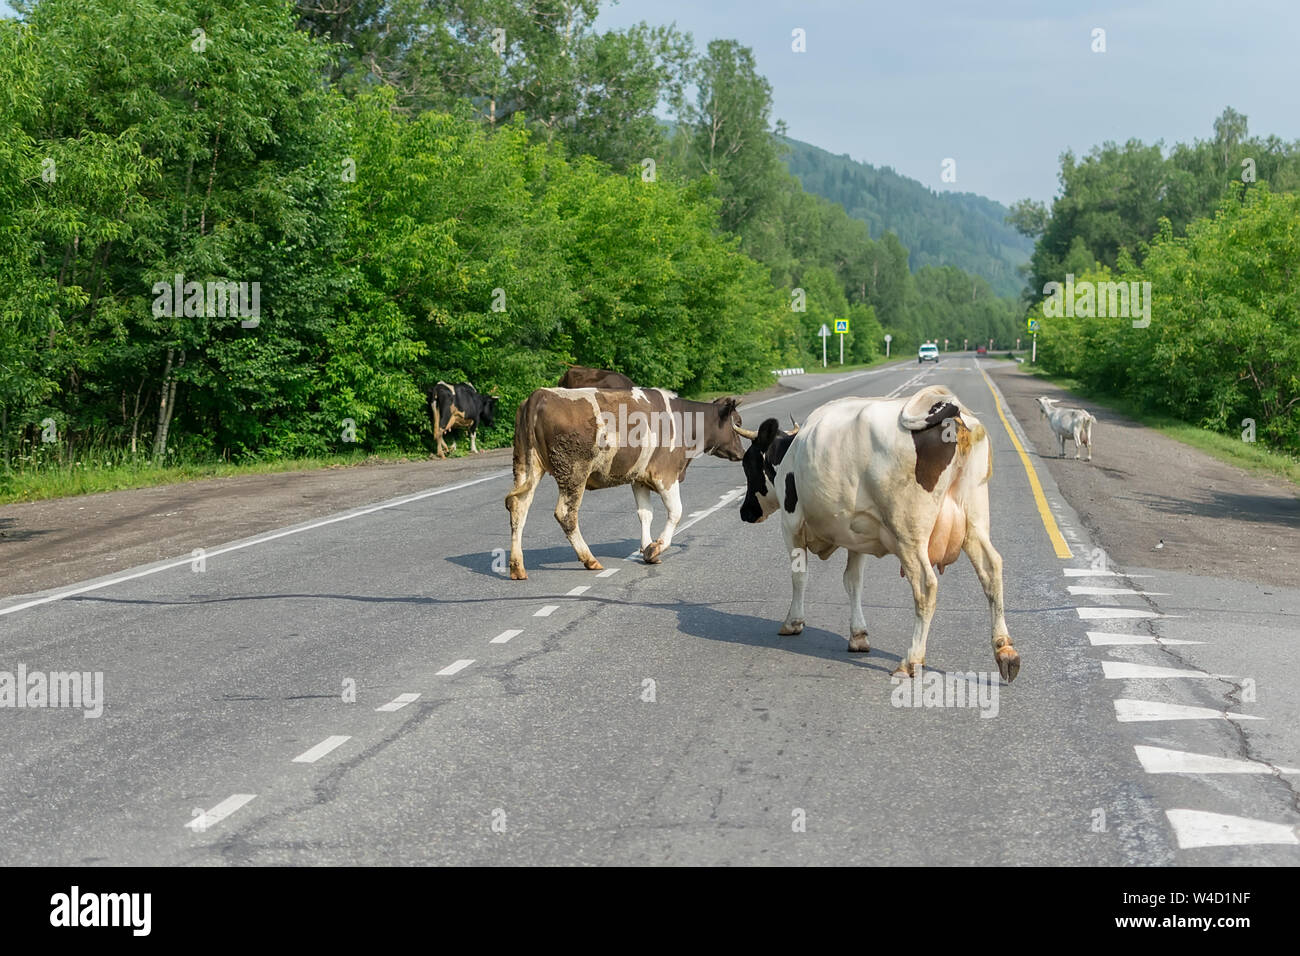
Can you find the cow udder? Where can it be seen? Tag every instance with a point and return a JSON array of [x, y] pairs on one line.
[[948, 535]]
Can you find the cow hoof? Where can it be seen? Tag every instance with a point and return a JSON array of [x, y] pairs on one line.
[[1008, 662], [593, 565], [858, 643], [652, 551], [790, 628], [904, 669], [518, 574]]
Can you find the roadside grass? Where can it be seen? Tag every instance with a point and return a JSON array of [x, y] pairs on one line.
[[90, 474], [1252, 457]]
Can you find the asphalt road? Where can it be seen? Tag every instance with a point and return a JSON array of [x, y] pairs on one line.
[[654, 717]]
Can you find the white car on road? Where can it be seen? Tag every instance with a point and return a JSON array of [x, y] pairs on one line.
[[927, 353]]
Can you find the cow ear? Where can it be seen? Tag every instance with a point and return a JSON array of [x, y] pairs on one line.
[[726, 408]]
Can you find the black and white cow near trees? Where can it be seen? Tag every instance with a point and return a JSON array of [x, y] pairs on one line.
[[460, 405], [901, 476]]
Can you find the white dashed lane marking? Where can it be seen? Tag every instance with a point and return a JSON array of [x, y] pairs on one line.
[[218, 813], [546, 610], [505, 636], [455, 668], [321, 749], [608, 573], [1131, 711], [397, 703], [1123, 670], [579, 590], [1197, 828], [1115, 613], [1107, 639], [1090, 573], [1107, 592], [1160, 760]]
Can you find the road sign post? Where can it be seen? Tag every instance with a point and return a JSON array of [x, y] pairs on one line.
[[841, 329], [1033, 335], [825, 334], [888, 339]]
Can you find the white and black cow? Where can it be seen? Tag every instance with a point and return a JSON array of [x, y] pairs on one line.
[[599, 438], [901, 476], [463, 405]]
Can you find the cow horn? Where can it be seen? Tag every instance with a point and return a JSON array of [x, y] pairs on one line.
[[745, 432]]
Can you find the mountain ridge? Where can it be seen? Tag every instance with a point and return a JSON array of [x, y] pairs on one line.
[[961, 229]]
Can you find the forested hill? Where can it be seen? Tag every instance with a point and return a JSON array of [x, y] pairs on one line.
[[957, 229]]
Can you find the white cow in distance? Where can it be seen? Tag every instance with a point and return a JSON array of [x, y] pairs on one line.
[[1073, 423]]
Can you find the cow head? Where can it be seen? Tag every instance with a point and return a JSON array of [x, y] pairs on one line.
[[488, 416], [722, 435], [767, 448]]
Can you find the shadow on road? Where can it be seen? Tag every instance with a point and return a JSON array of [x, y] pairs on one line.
[[709, 623]]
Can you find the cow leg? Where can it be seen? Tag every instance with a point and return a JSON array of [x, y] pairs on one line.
[[473, 433], [988, 568], [672, 498], [518, 500], [793, 623], [925, 593], [853, 585], [566, 513], [1078, 445], [644, 513]]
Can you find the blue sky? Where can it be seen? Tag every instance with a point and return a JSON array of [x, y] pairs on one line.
[[1004, 86]]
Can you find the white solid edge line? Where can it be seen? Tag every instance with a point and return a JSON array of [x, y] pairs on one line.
[[814, 388], [546, 610], [505, 636], [218, 813], [454, 668], [397, 703], [261, 539], [321, 749]]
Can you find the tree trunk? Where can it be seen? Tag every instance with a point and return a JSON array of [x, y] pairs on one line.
[[166, 406]]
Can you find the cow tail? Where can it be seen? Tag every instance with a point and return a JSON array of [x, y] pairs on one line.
[[523, 444], [917, 408]]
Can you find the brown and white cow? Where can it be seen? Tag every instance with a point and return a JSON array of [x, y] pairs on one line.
[[580, 376], [599, 438], [901, 476]]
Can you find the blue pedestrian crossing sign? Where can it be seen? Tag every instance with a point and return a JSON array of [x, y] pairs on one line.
[[1033, 325], [841, 326]]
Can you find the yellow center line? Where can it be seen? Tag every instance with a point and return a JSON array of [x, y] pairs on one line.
[[1040, 499]]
